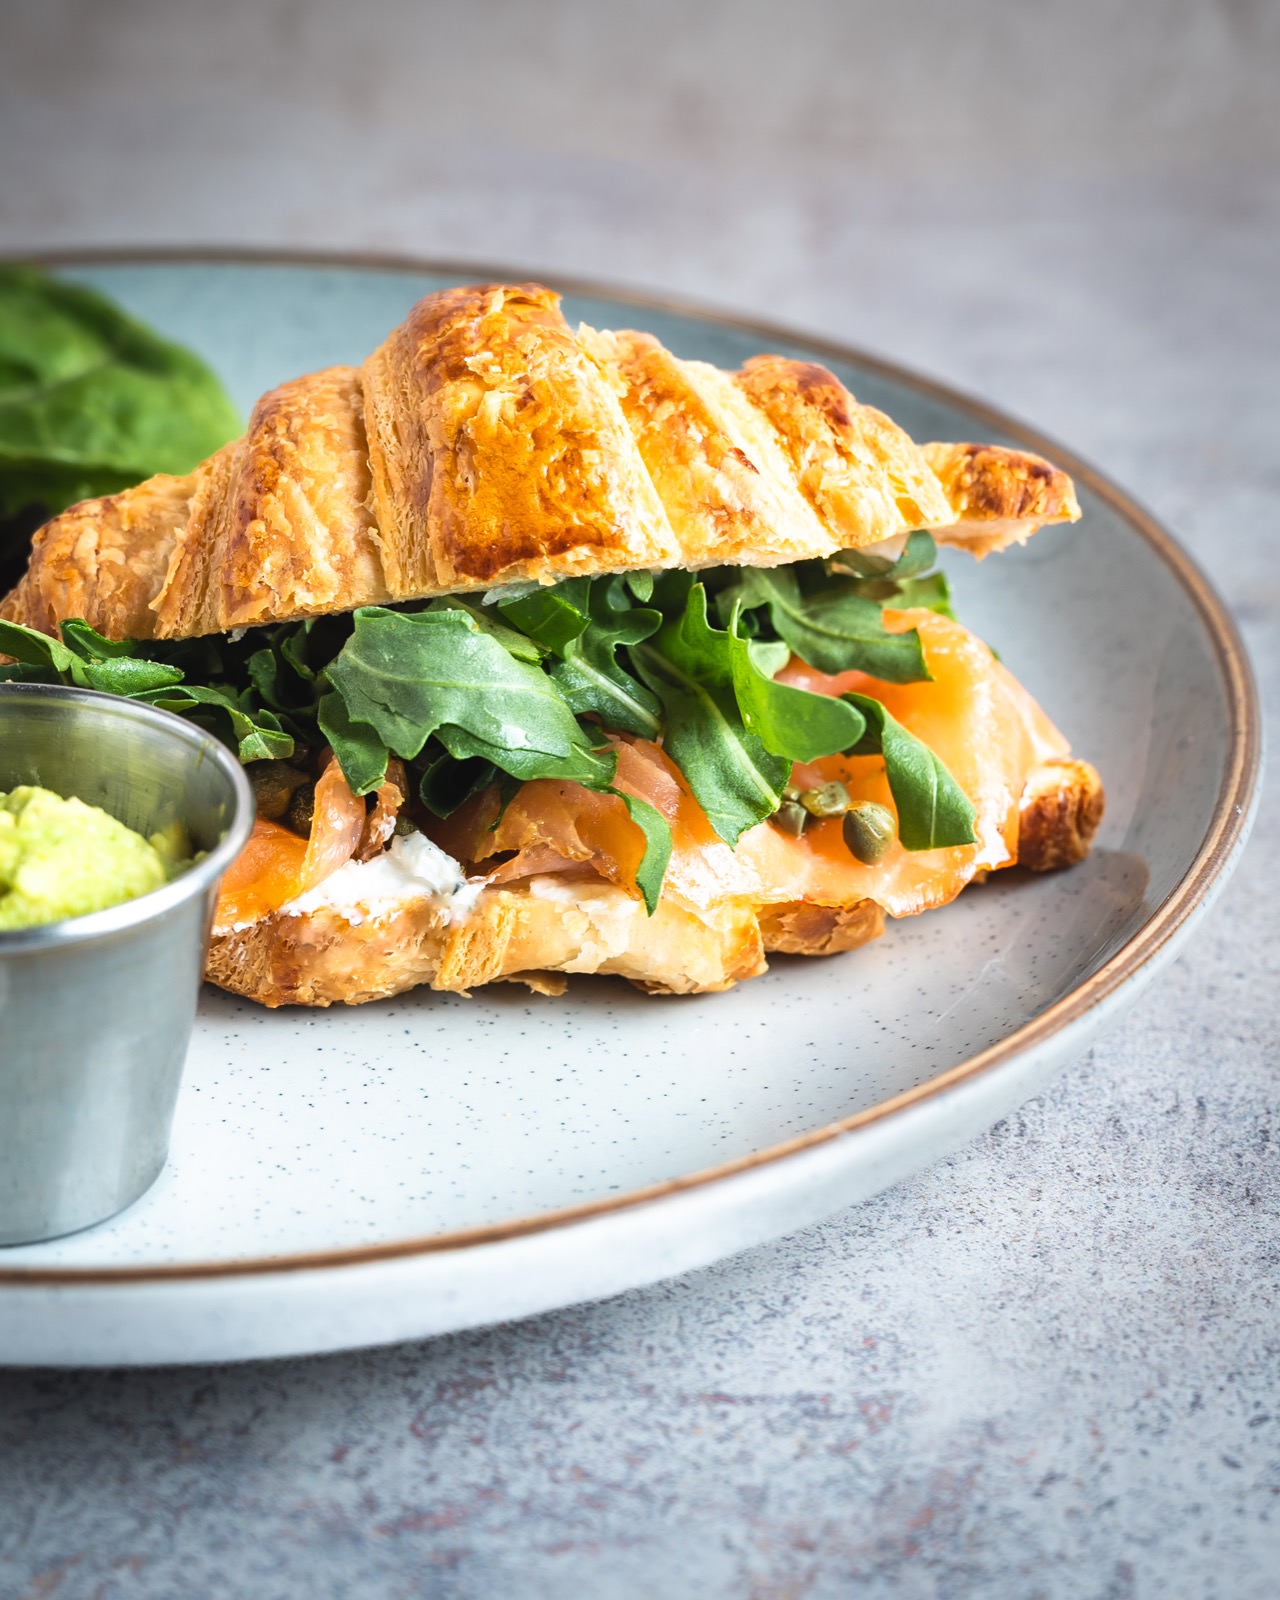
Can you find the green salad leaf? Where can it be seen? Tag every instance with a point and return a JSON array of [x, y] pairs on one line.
[[524, 686], [931, 591], [258, 735], [584, 623], [445, 783], [85, 660], [360, 749], [91, 400], [657, 846], [829, 623], [830, 612], [409, 675], [932, 808], [513, 641], [737, 779], [788, 722], [918, 554], [554, 617], [39, 657]]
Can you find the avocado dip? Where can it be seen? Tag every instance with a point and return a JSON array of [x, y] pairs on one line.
[[62, 858]]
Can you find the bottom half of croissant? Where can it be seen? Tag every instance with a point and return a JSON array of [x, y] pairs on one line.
[[538, 930]]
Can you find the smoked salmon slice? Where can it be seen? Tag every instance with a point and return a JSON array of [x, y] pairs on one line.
[[553, 825], [972, 713], [276, 866], [976, 717]]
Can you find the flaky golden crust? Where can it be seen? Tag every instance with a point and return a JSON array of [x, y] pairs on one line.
[[998, 496], [282, 526], [484, 442], [860, 471], [726, 487], [521, 933], [530, 931], [1061, 808], [800, 928], [106, 559], [500, 452], [276, 524]]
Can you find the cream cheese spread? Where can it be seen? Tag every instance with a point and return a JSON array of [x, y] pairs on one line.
[[413, 868]]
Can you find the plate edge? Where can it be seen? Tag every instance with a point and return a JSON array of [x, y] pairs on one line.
[[1228, 825]]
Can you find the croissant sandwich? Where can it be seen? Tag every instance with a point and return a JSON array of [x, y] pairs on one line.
[[550, 652]]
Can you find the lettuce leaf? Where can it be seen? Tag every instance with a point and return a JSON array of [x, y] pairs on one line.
[[830, 624], [524, 686], [736, 778], [92, 400], [933, 810], [85, 660]]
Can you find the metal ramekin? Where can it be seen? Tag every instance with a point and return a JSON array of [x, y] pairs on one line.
[[96, 1011]]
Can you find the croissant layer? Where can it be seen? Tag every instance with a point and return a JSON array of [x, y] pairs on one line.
[[538, 929], [486, 442]]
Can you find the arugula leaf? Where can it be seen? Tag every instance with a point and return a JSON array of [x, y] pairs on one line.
[[284, 666], [657, 846], [834, 628], [584, 623], [446, 782], [689, 666], [257, 735], [33, 649], [459, 717], [126, 676], [520, 646], [932, 592], [120, 673], [788, 722], [903, 583], [589, 674], [918, 554], [291, 646], [671, 589], [583, 764], [90, 645], [269, 675], [554, 617], [361, 754], [933, 810], [92, 400], [411, 676], [593, 683]]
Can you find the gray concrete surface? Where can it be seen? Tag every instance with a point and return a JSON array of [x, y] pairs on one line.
[[1047, 1367]]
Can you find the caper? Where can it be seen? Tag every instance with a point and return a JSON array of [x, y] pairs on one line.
[[790, 818], [274, 786], [869, 830], [302, 808], [831, 800]]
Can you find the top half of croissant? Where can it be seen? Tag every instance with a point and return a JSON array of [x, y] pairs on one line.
[[485, 442]]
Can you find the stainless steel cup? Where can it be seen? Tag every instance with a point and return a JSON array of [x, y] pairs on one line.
[[96, 1011]]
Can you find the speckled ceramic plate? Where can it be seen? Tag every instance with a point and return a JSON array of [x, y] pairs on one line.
[[428, 1163]]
